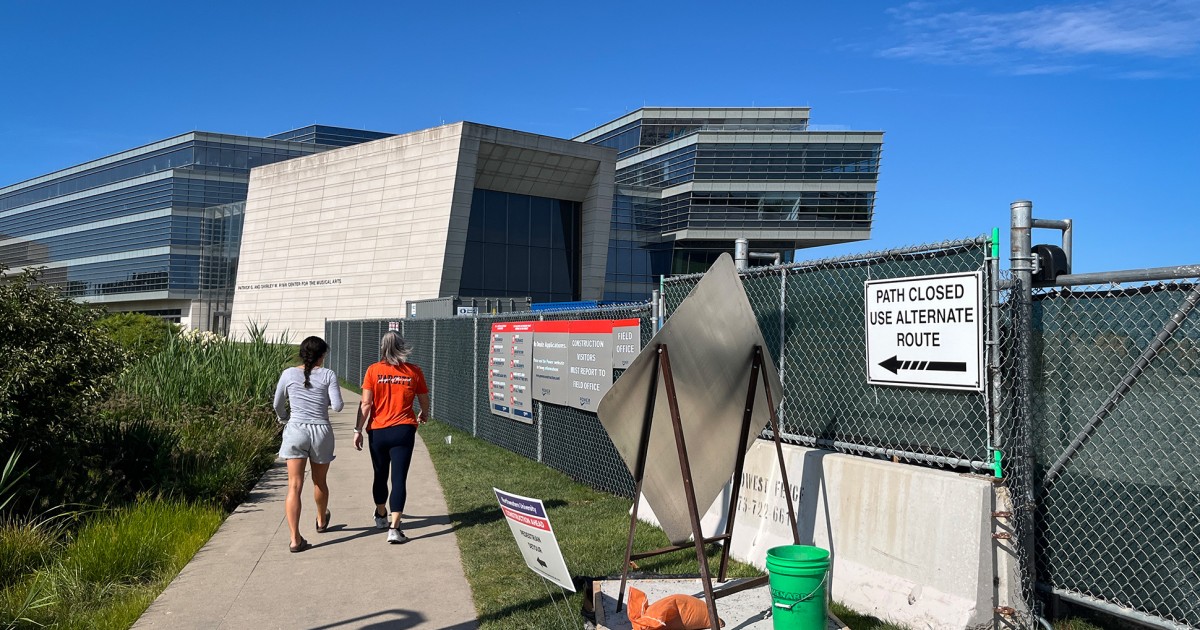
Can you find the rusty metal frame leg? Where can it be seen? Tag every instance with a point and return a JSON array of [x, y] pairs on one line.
[[743, 440], [782, 464], [638, 473], [689, 490]]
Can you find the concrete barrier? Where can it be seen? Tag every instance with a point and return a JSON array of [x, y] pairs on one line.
[[910, 545]]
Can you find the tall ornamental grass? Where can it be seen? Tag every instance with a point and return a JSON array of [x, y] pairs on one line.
[[207, 372]]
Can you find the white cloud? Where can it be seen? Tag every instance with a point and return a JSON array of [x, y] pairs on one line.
[[1048, 39]]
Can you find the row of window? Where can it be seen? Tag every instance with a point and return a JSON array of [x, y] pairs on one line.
[[507, 218], [520, 245], [156, 232], [176, 192], [153, 273], [195, 153]]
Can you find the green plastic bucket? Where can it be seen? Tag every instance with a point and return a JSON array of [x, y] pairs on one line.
[[798, 576]]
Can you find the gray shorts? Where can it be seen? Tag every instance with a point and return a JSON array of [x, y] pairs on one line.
[[314, 441]]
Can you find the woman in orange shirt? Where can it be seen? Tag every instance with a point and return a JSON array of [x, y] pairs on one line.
[[386, 412]]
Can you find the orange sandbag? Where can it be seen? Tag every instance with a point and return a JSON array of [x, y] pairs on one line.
[[673, 612]]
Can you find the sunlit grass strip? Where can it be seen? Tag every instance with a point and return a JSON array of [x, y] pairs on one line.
[[591, 528], [113, 568]]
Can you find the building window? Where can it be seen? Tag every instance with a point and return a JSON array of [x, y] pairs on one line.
[[521, 246]]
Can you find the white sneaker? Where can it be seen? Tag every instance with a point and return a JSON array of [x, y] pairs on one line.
[[381, 522], [396, 537]]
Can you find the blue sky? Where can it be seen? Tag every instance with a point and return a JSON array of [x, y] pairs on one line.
[[1087, 108]]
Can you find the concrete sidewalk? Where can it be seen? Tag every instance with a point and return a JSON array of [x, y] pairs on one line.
[[244, 577]]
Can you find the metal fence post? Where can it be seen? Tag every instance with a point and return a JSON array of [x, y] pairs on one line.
[[782, 344], [433, 369], [1021, 263], [475, 381]]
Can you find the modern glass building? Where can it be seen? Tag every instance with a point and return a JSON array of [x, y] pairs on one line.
[[690, 180], [129, 230], [159, 228]]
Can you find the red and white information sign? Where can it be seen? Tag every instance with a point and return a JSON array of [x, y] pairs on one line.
[[520, 371]]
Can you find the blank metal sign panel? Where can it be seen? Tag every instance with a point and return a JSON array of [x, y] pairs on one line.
[[711, 339]]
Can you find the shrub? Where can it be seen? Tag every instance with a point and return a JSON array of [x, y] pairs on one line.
[[139, 334], [54, 364]]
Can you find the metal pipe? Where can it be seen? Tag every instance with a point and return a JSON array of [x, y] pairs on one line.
[[941, 460], [1178, 272], [775, 256], [1113, 609], [1066, 226], [1139, 366], [654, 305], [741, 254]]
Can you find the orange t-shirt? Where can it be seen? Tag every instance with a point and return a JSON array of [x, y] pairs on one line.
[[393, 388]]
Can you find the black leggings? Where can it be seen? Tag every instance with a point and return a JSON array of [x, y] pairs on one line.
[[392, 446]]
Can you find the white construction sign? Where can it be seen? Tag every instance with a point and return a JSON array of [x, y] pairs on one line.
[[926, 331], [531, 528]]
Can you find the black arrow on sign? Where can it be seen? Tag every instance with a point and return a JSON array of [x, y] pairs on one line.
[[894, 364]]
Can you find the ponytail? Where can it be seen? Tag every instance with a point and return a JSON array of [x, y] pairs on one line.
[[312, 350]]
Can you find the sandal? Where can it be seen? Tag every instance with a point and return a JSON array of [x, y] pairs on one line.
[[322, 529], [304, 544]]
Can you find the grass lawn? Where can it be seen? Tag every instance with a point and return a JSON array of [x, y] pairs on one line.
[[591, 528]]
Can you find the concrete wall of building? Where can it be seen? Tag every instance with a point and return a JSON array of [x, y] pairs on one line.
[[354, 233], [909, 544], [349, 233]]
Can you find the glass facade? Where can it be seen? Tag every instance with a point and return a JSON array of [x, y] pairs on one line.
[[132, 226], [330, 136], [728, 170], [520, 245]]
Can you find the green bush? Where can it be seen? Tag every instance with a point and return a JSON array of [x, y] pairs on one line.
[[205, 455], [54, 365], [139, 334]]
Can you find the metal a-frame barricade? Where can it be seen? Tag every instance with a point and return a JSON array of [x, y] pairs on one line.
[[663, 366]]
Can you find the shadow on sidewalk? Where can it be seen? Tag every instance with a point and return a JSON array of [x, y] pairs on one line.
[[362, 532], [402, 620], [459, 520]]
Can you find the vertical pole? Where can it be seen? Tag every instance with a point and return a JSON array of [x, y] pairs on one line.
[[475, 381], [740, 464], [639, 472], [994, 366], [787, 485], [782, 337], [433, 370], [1021, 263], [741, 254], [689, 491]]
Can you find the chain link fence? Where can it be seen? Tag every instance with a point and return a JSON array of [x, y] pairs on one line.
[[1116, 373], [811, 316], [1091, 397], [452, 351]]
